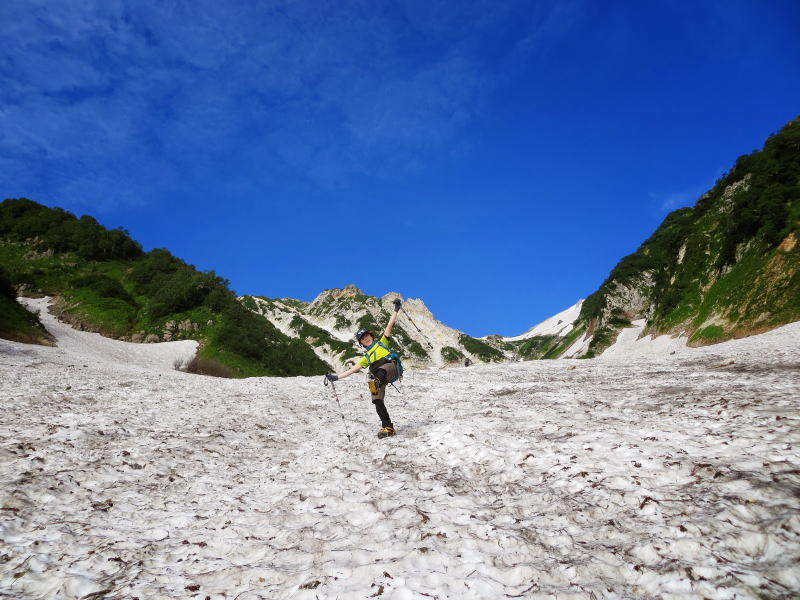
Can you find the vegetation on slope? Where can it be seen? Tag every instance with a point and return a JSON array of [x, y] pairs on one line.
[[316, 336], [480, 349], [108, 284], [16, 322], [536, 346], [451, 355]]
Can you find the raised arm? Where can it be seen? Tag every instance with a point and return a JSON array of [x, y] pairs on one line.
[[388, 331]]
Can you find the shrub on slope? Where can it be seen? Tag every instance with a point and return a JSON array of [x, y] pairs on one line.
[[16, 322]]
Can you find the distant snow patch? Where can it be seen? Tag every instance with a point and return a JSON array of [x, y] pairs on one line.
[[559, 324]]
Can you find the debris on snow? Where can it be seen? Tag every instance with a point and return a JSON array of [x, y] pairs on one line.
[[666, 476]]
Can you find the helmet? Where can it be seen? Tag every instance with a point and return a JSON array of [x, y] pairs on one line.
[[360, 334]]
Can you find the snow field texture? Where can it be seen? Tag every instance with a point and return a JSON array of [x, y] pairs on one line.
[[630, 477]]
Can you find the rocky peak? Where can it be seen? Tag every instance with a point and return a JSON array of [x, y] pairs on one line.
[[335, 293], [413, 305]]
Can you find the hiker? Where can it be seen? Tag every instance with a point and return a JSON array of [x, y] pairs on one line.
[[383, 368]]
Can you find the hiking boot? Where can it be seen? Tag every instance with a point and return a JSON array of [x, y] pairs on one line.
[[386, 432]]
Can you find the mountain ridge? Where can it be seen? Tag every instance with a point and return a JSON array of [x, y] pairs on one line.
[[727, 267], [329, 322]]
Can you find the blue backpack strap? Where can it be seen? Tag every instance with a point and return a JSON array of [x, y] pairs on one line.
[[369, 362], [392, 354]]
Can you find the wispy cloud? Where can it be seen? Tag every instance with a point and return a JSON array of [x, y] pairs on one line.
[[102, 101], [672, 200]]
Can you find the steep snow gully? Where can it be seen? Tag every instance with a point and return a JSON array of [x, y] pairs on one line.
[[630, 477]]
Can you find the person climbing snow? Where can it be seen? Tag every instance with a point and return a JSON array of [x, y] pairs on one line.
[[383, 367]]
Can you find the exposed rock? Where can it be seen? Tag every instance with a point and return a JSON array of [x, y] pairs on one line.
[[728, 196], [631, 298], [681, 253], [173, 329], [34, 255], [788, 244], [152, 339], [334, 294], [26, 290]]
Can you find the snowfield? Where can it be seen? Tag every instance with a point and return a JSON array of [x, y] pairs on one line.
[[674, 476]]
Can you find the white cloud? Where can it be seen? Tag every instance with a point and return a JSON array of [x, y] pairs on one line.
[[102, 93], [672, 200]]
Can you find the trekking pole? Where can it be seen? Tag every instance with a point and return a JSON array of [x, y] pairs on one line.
[[341, 412], [417, 328]]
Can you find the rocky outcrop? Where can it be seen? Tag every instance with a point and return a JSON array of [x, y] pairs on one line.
[[177, 330], [348, 291], [630, 300]]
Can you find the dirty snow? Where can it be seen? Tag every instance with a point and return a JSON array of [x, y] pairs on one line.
[[94, 349], [675, 476], [629, 343]]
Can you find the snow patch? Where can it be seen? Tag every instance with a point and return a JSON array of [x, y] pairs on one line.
[[629, 343], [75, 346]]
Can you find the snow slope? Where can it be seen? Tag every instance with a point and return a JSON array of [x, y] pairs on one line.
[[559, 324], [629, 344], [675, 476], [86, 347]]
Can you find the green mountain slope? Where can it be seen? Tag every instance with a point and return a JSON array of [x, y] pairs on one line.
[[727, 267], [104, 282]]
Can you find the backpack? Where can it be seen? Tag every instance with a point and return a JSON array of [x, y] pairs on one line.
[[394, 356]]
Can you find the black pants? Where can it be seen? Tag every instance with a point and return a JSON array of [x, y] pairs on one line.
[[382, 375], [380, 408]]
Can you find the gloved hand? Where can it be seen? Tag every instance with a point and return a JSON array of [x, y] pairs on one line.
[[332, 377], [397, 303]]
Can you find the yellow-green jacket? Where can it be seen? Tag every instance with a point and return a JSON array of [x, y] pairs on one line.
[[376, 351]]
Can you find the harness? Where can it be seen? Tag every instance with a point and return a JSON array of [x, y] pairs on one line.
[[391, 357]]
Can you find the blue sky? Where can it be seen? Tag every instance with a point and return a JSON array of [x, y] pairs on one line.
[[495, 159]]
